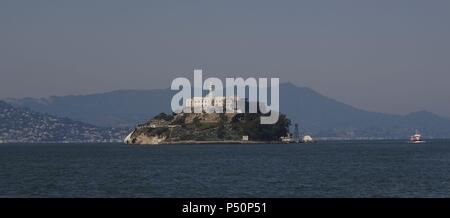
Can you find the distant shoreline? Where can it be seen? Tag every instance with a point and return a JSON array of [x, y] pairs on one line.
[[225, 142]]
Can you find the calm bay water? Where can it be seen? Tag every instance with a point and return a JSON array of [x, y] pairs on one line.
[[326, 169]]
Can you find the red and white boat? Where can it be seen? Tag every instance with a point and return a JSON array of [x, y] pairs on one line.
[[416, 138]]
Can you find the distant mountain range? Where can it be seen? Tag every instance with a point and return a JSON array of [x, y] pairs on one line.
[[326, 117], [315, 113], [25, 125], [123, 108]]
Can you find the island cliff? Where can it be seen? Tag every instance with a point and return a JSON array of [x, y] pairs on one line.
[[207, 128]]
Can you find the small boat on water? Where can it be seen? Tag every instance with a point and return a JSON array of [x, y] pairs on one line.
[[416, 138]]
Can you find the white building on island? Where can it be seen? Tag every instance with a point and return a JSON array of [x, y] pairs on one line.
[[229, 103]]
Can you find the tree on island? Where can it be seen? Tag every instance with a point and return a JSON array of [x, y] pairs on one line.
[[163, 116], [249, 124]]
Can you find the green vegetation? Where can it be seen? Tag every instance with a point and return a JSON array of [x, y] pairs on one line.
[[163, 116], [221, 131], [158, 131], [249, 124], [196, 122], [205, 126]]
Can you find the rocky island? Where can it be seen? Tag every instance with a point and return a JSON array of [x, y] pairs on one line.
[[192, 128]]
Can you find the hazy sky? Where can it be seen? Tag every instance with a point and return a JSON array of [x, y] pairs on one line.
[[388, 56]]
